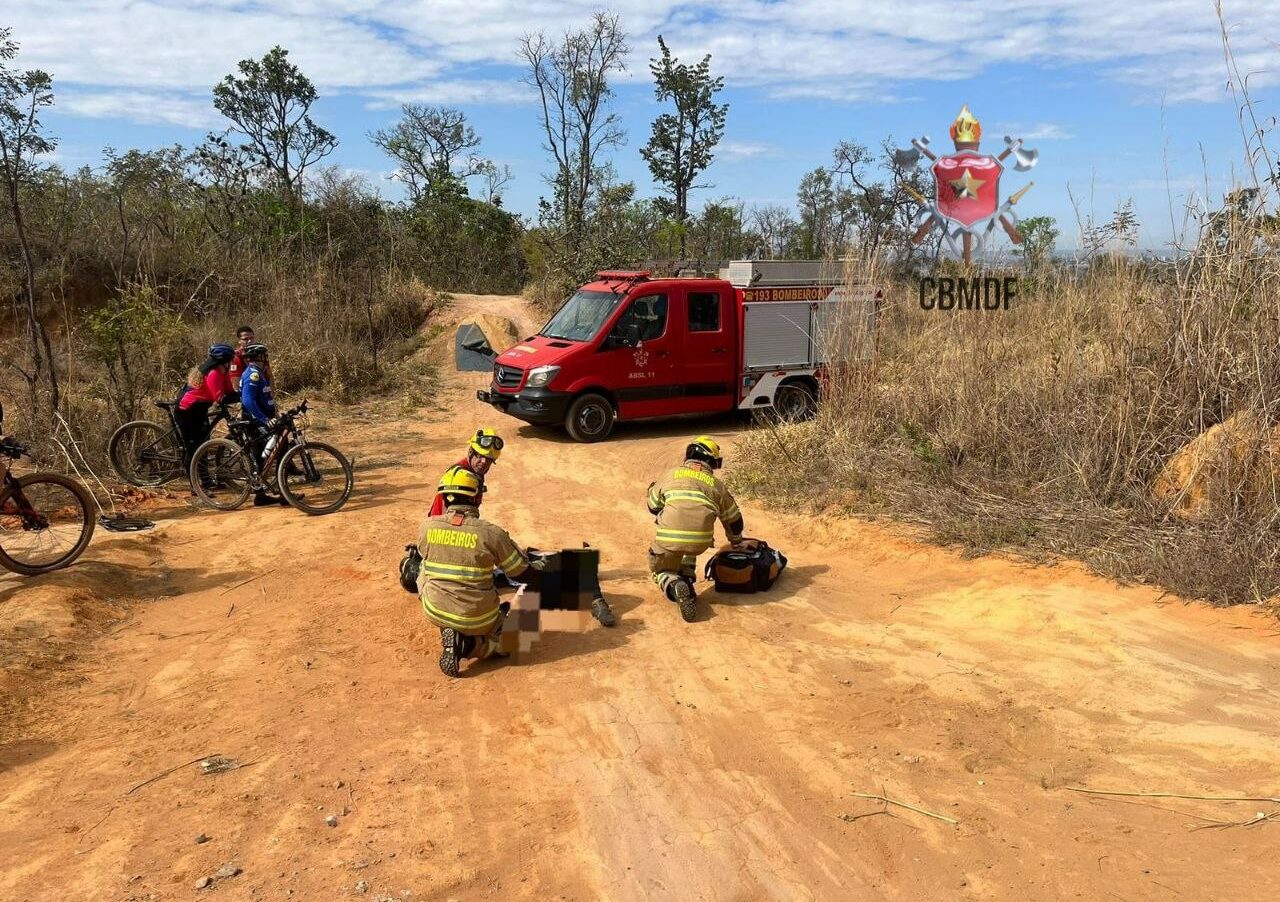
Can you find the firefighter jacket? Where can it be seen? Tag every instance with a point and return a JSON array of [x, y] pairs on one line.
[[459, 553], [687, 501]]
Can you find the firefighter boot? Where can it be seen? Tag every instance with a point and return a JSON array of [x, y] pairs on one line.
[[601, 611], [680, 591], [450, 651]]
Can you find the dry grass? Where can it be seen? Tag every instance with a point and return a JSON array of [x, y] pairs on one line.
[[1042, 428]]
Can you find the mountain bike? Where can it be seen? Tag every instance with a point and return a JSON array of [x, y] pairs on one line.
[[313, 477], [146, 454], [46, 519]]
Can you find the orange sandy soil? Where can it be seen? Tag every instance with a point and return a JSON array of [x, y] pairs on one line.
[[657, 760]]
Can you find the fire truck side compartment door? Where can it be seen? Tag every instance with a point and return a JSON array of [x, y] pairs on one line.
[[710, 364], [777, 334]]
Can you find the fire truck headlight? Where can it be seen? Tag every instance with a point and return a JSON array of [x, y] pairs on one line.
[[542, 375]]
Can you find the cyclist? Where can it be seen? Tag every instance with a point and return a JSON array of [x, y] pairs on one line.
[[208, 385], [244, 338], [482, 453], [259, 406]]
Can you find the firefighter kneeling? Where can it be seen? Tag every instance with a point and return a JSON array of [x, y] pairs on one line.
[[456, 578], [687, 500]]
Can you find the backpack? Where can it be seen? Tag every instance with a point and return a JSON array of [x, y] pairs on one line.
[[410, 564], [752, 567]]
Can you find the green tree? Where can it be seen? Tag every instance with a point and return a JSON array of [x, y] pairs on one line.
[[128, 337], [430, 143], [1038, 236], [269, 104], [681, 144], [23, 96], [825, 209]]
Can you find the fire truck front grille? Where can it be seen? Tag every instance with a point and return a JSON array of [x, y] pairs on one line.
[[506, 376]]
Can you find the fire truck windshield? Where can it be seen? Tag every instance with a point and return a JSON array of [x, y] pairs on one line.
[[582, 315]]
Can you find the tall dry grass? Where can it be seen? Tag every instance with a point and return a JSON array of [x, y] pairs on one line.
[[1042, 428]]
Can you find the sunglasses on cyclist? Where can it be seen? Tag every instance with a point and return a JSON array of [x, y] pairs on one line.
[[489, 441]]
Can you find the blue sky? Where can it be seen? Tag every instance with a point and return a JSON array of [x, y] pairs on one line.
[[1122, 101]]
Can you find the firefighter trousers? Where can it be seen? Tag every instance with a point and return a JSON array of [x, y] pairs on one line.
[[668, 566]]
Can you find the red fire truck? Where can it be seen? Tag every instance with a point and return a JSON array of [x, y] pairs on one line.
[[628, 347]]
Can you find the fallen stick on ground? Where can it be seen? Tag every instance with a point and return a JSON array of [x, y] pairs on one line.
[[243, 582], [167, 772], [1259, 818], [1173, 795], [887, 800]]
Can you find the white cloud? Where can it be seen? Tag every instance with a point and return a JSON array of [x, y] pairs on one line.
[[1042, 131], [140, 107], [839, 50], [511, 92], [745, 150]]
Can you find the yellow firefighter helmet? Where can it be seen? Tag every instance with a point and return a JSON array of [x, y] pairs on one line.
[[487, 443], [460, 483], [705, 448]]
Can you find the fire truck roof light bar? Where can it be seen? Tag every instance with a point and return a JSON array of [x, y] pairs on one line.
[[625, 275]]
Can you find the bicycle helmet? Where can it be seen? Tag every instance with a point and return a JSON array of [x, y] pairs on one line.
[[487, 443], [255, 352], [221, 353], [706, 449]]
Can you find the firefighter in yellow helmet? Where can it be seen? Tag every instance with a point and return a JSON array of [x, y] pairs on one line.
[[456, 578], [687, 501], [483, 452]]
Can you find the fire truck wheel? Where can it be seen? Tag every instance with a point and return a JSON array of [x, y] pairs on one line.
[[590, 418], [794, 402]]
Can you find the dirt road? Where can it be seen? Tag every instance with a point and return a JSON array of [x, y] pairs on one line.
[[657, 760]]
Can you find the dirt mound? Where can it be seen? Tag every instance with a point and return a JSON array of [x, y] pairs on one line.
[[1234, 461], [480, 338], [499, 331]]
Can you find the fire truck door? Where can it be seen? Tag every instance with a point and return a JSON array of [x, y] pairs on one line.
[[640, 357], [710, 362]]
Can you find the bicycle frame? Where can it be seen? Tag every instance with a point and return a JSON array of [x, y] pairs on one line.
[[289, 431], [175, 433], [31, 518]]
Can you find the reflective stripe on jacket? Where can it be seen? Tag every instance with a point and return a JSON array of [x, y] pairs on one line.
[[688, 500], [459, 554]]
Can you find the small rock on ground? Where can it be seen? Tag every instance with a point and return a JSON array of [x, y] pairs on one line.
[[227, 870], [201, 839], [362, 886], [331, 821], [204, 882]]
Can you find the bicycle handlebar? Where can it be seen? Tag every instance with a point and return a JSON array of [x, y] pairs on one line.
[[12, 449], [295, 411]]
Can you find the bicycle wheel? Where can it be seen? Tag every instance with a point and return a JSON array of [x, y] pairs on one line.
[[46, 522], [315, 478], [221, 474], [145, 454]]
